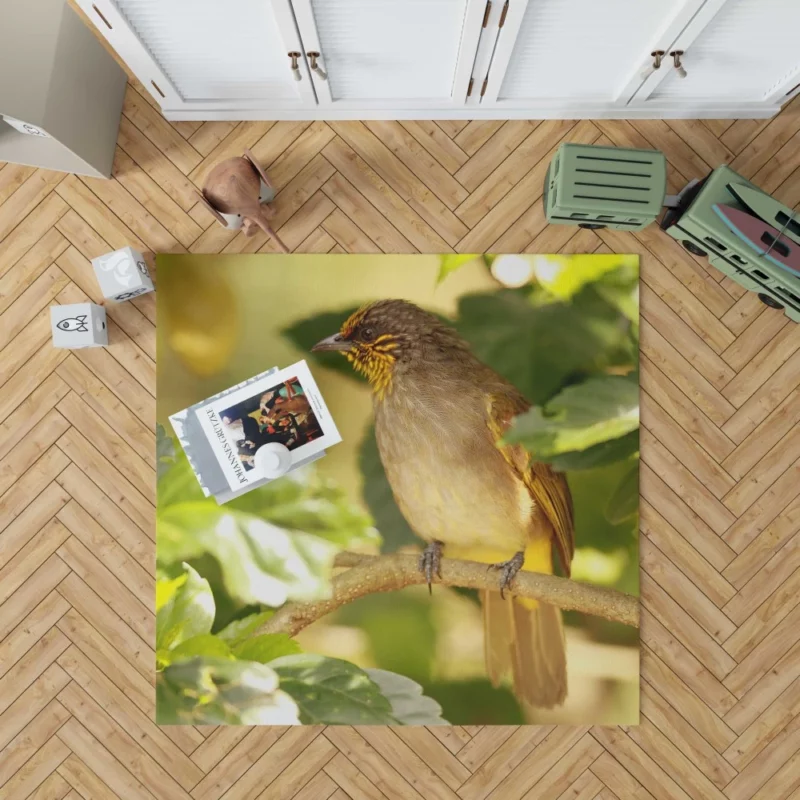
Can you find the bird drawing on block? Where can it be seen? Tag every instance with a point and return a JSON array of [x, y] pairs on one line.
[[440, 415]]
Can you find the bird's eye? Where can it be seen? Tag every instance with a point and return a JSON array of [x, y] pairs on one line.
[[367, 334]]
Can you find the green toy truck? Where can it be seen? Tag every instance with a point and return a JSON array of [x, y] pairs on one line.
[[696, 225]]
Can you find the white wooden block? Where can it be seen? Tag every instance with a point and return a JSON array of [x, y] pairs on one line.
[[122, 274], [79, 325]]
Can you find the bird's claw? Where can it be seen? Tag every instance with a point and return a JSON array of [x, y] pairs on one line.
[[430, 562], [508, 570]]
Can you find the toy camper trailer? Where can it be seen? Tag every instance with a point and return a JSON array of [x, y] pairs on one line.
[[605, 187]]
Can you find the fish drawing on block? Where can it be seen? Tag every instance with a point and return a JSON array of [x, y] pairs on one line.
[[77, 324], [763, 238]]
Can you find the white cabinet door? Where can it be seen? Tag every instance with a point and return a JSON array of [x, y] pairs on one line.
[[578, 56], [390, 54], [735, 51], [206, 54]]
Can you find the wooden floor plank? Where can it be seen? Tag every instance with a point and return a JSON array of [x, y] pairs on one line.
[[31, 266], [683, 555], [12, 176], [437, 143], [385, 200], [403, 181], [101, 763], [30, 230], [684, 701], [120, 743], [105, 475], [31, 738], [37, 768], [93, 608], [228, 755], [379, 231], [85, 783], [30, 630], [22, 556]]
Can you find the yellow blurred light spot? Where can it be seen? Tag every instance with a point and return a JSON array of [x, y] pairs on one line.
[[201, 318], [512, 271], [594, 566]]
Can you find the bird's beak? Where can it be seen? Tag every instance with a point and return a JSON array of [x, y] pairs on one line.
[[335, 342]]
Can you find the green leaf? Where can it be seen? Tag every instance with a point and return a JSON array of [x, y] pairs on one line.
[[266, 647], [624, 298], [451, 262], [215, 691], [539, 346], [389, 618], [179, 483], [624, 503], [260, 562], [166, 588], [583, 415], [476, 702], [564, 276], [305, 501], [590, 490], [409, 704], [307, 332], [600, 455], [302, 500], [205, 644], [165, 450], [240, 630], [377, 493], [330, 691], [188, 612]]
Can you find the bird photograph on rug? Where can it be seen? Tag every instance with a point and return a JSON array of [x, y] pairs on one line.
[[465, 554], [440, 415]]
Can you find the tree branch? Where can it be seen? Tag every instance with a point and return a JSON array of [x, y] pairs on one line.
[[372, 574]]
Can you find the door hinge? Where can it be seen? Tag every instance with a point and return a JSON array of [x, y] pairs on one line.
[[483, 88], [503, 15], [469, 88], [486, 13]]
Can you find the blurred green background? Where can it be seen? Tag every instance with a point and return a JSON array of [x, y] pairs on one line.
[[563, 329]]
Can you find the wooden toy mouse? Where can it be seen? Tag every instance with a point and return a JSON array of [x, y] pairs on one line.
[[236, 192]]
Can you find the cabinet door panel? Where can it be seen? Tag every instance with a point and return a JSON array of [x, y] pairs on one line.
[[579, 53], [749, 51], [583, 50], [206, 53], [391, 53]]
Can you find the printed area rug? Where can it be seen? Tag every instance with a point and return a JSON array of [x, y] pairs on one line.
[[398, 490]]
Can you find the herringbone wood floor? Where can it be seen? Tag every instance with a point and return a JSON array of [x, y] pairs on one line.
[[720, 490]]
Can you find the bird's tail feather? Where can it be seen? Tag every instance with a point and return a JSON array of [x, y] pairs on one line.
[[523, 638], [528, 643]]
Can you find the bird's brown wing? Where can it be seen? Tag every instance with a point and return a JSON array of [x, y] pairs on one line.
[[548, 488]]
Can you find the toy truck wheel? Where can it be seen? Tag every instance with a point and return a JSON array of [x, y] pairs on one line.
[[693, 248], [769, 301], [592, 226]]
